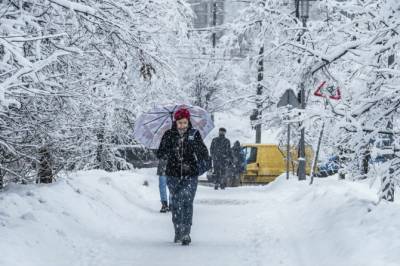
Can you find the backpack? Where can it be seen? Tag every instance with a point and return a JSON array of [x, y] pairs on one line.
[[203, 165]]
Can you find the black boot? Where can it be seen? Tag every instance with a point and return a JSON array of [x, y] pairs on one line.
[[186, 240], [164, 207], [186, 235], [178, 234]]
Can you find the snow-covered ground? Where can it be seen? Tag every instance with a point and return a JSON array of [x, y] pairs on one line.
[[103, 219]]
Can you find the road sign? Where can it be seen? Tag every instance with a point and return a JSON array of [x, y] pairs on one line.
[[289, 99], [328, 91]]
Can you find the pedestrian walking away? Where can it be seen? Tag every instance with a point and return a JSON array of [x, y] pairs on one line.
[[238, 161], [183, 148], [221, 158]]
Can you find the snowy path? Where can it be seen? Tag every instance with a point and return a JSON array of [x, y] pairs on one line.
[[221, 236], [216, 241], [104, 219]]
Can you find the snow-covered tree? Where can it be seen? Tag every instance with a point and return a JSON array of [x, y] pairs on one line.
[[352, 45], [74, 75]]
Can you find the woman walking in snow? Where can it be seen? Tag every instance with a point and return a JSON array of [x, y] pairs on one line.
[[182, 147]]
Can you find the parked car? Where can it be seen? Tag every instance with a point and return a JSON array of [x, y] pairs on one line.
[[329, 167]]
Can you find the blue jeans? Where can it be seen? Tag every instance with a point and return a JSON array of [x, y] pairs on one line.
[[162, 185], [183, 191]]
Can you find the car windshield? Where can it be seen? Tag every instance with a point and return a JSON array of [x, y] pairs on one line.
[[251, 154]]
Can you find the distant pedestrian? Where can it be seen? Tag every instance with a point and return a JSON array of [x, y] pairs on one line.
[[238, 162], [221, 158]]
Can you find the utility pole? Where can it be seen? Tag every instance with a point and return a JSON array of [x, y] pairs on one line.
[[302, 12], [214, 36], [214, 24], [260, 78]]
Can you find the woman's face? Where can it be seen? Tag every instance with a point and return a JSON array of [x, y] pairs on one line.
[[182, 124]]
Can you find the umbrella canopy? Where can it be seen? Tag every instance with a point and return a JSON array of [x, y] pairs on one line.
[[151, 126]]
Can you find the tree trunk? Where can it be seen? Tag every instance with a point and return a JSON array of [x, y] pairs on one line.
[[365, 163], [1, 179], [45, 172], [388, 186]]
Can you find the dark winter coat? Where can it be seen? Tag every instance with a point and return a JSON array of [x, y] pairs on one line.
[[238, 157], [181, 152], [162, 167], [221, 150]]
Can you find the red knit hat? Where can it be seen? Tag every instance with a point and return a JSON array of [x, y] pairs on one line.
[[182, 113]]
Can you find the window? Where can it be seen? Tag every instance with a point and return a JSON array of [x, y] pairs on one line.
[[251, 155]]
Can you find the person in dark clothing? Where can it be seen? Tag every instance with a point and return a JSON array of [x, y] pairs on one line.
[[238, 161], [182, 147], [221, 158], [162, 185]]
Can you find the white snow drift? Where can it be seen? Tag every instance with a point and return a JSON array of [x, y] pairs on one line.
[[99, 218]]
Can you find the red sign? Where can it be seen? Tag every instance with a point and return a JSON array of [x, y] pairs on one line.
[[330, 91]]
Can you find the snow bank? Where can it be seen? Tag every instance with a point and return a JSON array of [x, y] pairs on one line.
[[99, 218], [333, 222], [53, 224]]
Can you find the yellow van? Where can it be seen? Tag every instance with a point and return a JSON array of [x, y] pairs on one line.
[[265, 162]]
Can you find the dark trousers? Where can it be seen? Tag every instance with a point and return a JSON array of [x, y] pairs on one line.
[[183, 191], [220, 174]]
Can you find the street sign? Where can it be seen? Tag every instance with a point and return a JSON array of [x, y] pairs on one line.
[[328, 91], [288, 99]]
